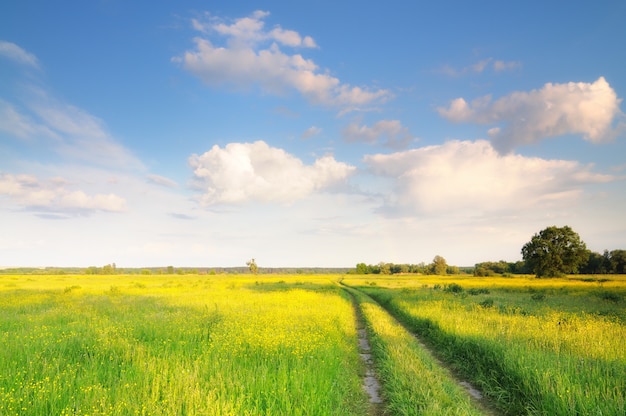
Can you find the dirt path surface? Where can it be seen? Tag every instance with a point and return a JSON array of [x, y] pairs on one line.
[[371, 383]]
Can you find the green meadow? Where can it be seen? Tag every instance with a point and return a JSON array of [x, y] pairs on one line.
[[289, 344], [537, 347]]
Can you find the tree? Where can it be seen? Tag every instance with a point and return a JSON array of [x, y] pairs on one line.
[[555, 251], [361, 268], [596, 263], [618, 261], [439, 266], [385, 268], [253, 267]]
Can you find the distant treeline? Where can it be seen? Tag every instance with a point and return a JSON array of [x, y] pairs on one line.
[[610, 262], [438, 266], [110, 269]]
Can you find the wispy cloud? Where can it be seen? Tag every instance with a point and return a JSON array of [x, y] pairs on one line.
[[49, 122], [243, 172], [17, 124], [161, 181], [588, 109], [15, 53], [252, 56], [481, 66], [310, 132], [180, 216], [389, 133]]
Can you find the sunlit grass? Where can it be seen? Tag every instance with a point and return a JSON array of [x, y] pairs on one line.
[[177, 345], [553, 346], [413, 382]]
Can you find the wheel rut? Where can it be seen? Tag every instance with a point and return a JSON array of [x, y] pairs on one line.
[[372, 384]]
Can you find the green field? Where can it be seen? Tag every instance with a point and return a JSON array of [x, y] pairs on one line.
[[288, 345], [545, 347]]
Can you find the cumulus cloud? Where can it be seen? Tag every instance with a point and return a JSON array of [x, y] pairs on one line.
[[472, 178], [15, 53], [588, 109], [252, 56], [242, 172], [390, 133], [53, 196]]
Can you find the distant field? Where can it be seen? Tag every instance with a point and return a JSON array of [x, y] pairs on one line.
[[285, 344]]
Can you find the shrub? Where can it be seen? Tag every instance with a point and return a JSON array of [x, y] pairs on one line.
[[453, 288], [478, 291], [538, 296]]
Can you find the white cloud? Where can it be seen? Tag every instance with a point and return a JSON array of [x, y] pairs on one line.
[[472, 178], [15, 53], [390, 133], [53, 196], [310, 132], [242, 172], [248, 60], [556, 109], [251, 31]]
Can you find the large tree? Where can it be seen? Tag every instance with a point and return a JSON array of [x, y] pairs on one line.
[[555, 251], [439, 266]]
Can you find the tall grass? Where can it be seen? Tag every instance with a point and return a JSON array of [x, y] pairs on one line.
[[533, 354], [177, 345], [413, 381]]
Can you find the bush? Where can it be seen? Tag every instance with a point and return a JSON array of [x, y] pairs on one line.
[[453, 288], [538, 296], [478, 291]]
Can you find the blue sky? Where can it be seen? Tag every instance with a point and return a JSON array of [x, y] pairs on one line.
[[205, 133]]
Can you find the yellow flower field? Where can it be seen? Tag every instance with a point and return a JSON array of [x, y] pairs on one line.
[[165, 345]]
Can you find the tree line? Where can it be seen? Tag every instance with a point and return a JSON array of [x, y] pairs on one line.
[[439, 266], [552, 252], [610, 262]]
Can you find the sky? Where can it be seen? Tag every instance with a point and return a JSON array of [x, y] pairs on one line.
[[307, 134]]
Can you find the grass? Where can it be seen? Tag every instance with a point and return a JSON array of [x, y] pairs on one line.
[[190, 345], [534, 346], [250, 345], [413, 381]]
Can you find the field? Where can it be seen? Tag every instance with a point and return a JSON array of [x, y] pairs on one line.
[[289, 345], [546, 347]]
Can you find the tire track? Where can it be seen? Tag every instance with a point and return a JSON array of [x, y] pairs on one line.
[[371, 382], [476, 394]]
